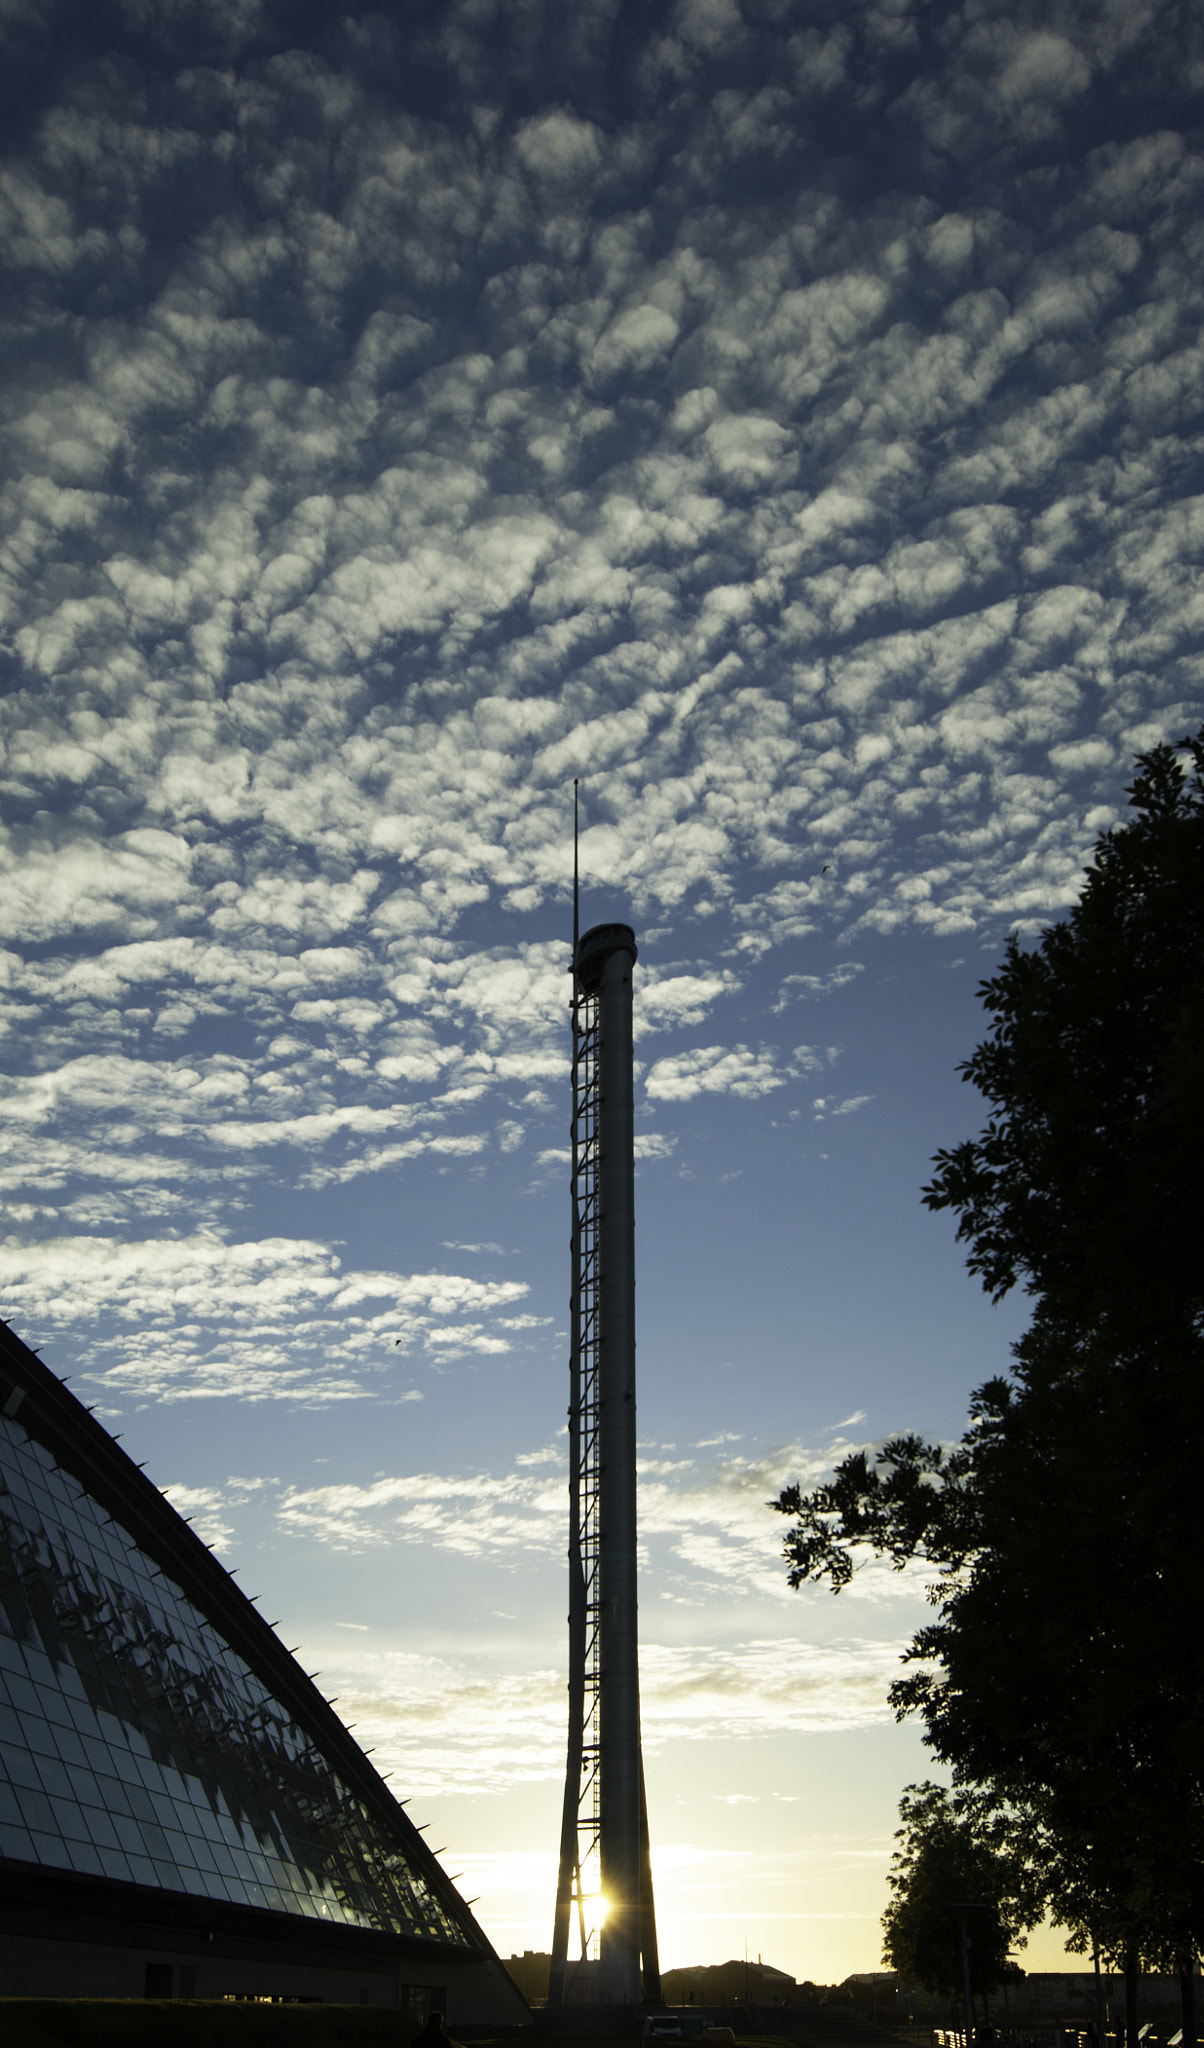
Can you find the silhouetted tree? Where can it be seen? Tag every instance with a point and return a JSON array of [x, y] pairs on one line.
[[1063, 1674], [1085, 1182], [953, 1855]]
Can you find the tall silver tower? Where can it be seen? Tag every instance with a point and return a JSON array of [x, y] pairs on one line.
[[605, 1877]]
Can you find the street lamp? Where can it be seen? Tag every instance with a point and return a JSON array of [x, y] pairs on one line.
[[963, 1913]]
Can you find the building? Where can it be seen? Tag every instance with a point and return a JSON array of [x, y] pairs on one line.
[[530, 1972], [181, 1811]]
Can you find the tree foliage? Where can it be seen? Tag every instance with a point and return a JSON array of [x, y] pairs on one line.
[[953, 1855], [1062, 1675], [1086, 1179]]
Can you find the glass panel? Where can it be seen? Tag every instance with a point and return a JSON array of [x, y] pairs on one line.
[[101, 1829], [84, 1858], [71, 1749], [36, 1811], [55, 1777], [19, 1764], [70, 1822], [203, 1784]]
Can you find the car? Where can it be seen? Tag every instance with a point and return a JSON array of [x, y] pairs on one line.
[[662, 2026]]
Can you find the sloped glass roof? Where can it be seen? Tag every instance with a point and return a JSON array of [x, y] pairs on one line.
[[135, 1744]]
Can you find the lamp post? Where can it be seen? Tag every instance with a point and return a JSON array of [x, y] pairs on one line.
[[963, 1913]]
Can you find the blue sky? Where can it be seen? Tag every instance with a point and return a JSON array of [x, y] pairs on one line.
[[787, 419]]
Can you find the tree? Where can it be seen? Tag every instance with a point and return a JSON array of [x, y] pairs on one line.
[[1062, 1676], [1059, 1677], [951, 1858], [1086, 1180]]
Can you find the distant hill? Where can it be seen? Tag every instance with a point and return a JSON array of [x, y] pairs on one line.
[[734, 1983], [708, 1984]]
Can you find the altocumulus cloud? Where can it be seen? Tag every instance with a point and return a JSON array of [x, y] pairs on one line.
[[278, 1318], [438, 1722], [411, 415], [703, 1523]]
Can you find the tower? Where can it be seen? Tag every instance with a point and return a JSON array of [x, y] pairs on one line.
[[605, 1872]]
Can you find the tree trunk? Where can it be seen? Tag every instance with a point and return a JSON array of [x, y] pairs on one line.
[[1132, 1972], [1187, 2001]]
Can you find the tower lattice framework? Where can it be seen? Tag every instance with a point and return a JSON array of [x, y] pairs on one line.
[[604, 1842], [579, 1887]]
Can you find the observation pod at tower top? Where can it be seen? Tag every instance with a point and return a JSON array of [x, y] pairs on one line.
[[595, 948]]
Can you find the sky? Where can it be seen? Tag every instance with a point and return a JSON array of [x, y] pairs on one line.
[[787, 419]]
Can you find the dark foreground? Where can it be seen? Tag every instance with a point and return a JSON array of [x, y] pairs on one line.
[[182, 2023], [199, 2023]]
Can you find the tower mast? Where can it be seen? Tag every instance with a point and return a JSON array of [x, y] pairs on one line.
[[605, 1867]]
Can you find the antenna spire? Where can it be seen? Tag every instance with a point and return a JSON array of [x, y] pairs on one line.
[[576, 885]]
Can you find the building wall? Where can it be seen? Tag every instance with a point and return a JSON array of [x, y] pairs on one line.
[[39, 1967], [182, 1813]]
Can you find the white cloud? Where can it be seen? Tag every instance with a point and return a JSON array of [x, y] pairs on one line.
[[634, 341], [811, 987], [434, 1721], [654, 1145], [714, 1070], [204, 1507], [843, 554], [703, 1524], [1044, 67], [559, 146], [662, 1002], [519, 1512], [276, 1318], [705, 1527], [84, 884], [755, 1690]]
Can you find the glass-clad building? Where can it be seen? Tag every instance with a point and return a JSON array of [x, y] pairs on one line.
[[181, 1812]]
